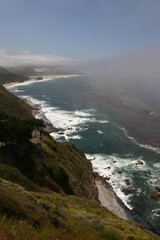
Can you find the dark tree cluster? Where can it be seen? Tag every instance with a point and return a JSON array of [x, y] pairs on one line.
[[15, 131]]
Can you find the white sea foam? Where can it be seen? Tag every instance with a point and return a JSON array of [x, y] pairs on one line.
[[156, 212], [55, 135], [74, 137], [156, 165], [154, 149], [103, 121], [71, 122], [106, 166], [149, 147], [100, 132], [84, 113], [18, 91]]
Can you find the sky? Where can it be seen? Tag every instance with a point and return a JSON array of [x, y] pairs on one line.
[[79, 29]]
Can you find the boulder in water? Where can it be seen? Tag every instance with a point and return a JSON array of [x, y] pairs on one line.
[[157, 188], [127, 181], [155, 195]]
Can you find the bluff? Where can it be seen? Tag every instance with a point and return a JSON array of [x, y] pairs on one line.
[[47, 188], [8, 76]]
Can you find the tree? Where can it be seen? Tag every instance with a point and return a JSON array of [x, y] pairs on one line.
[[15, 131]]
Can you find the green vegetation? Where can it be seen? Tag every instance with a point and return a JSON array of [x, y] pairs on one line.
[[17, 131], [11, 106], [15, 176], [57, 216], [47, 189], [60, 167]]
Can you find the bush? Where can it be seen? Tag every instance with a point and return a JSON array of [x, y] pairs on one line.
[[17, 131]]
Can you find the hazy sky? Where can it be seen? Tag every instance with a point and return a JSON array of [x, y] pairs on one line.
[[79, 28]]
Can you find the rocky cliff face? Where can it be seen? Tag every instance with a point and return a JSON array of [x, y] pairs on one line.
[[60, 167]]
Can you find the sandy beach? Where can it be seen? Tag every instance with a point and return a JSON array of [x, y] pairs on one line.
[[108, 199], [34, 79]]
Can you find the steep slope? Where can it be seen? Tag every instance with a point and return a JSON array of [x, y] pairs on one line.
[[47, 190], [53, 216], [60, 167], [11, 106], [7, 76]]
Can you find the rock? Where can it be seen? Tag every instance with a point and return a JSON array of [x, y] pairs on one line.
[[69, 128], [107, 178], [139, 162], [127, 181], [39, 78], [155, 195], [157, 211], [95, 174], [60, 133], [114, 161], [108, 168], [157, 188]]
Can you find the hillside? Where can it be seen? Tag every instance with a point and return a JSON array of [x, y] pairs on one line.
[[60, 167], [53, 216], [7, 76], [11, 106], [47, 188]]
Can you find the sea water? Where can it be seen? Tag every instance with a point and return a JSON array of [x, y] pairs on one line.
[[97, 124]]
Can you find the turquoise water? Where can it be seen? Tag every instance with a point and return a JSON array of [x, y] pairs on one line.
[[73, 107]]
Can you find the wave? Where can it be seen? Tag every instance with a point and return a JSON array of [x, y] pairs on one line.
[[100, 132], [108, 166], [84, 113], [154, 149], [71, 122], [146, 146], [157, 165]]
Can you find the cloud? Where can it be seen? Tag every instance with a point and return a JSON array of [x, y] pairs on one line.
[[24, 58]]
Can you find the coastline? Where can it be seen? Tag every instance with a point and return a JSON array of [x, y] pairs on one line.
[[106, 194], [107, 197], [34, 79]]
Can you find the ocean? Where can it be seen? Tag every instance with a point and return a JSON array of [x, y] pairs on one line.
[[117, 128]]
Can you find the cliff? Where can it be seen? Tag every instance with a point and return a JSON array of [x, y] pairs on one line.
[[11, 106], [47, 188], [8, 76]]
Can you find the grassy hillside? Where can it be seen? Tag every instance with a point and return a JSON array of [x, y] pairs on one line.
[[11, 106], [47, 190], [60, 167], [53, 196], [53, 216]]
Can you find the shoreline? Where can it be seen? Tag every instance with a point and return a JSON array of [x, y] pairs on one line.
[[34, 79], [107, 197], [106, 194]]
